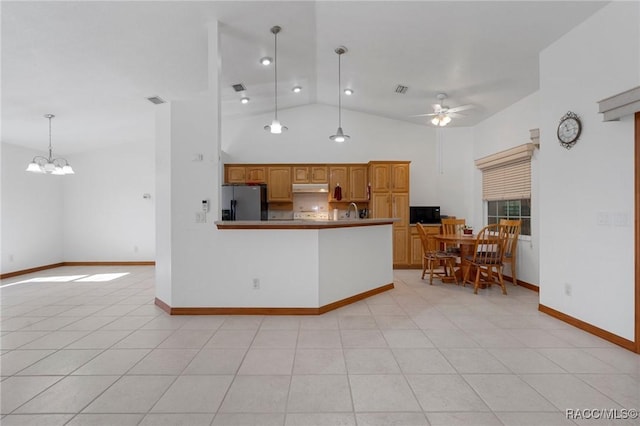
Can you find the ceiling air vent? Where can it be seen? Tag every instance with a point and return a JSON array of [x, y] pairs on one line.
[[401, 89], [239, 87], [157, 100]]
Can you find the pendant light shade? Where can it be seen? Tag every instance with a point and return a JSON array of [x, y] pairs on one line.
[[275, 127], [50, 165], [340, 136]]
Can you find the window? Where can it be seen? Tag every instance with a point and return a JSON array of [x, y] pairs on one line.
[[511, 209], [506, 185]]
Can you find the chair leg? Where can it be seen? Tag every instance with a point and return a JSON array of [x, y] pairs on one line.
[[431, 267], [424, 268], [499, 271], [452, 268], [465, 276], [476, 284]]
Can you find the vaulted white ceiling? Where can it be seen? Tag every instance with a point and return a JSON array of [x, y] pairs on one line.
[[92, 64]]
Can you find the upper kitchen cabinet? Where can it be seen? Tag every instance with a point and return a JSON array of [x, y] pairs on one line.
[[256, 174], [338, 176], [310, 174], [279, 184], [234, 174], [389, 176], [358, 183], [241, 173]]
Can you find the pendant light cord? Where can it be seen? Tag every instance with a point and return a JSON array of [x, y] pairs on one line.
[[50, 149], [275, 67], [339, 94]]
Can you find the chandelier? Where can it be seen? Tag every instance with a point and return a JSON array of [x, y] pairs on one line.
[[50, 165], [275, 126], [339, 136]]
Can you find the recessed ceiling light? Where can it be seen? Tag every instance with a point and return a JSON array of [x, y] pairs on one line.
[[297, 89], [348, 92], [244, 100], [266, 61]]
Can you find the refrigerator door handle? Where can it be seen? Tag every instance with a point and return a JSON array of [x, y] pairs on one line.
[[233, 209]]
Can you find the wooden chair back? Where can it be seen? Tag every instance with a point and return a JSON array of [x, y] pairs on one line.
[[424, 238], [489, 245], [511, 227], [452, 226]]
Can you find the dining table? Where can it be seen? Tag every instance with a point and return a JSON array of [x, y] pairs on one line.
[[467, 243]]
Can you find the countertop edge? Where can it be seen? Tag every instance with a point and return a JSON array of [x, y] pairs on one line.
[[303, 224]]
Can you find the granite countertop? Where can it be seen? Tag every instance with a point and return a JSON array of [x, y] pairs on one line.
[[302, 224]]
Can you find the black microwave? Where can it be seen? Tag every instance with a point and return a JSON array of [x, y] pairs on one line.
[[424, 214]]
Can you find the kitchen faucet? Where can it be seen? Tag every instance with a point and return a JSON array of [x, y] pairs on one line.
[[355, 206]]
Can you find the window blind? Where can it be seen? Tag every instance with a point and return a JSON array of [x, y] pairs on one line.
[[506, 175]]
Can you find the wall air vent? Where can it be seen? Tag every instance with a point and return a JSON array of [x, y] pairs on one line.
[[401, 89], [239, 87], [157, 100]]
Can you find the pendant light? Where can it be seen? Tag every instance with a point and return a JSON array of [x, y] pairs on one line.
[[275, 126], [50, 165], [339, 136]]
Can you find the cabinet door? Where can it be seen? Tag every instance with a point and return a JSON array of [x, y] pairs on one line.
[[319, 174], [415, 248], [400, 177], [358, 183], [300, 174], [380, 205], [338, 175], [256, 174], [400, 246], [279, 185], [379, 176], [400, 208], [235, 174]]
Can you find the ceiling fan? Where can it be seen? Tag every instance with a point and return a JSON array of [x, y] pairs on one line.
[[442, 114]]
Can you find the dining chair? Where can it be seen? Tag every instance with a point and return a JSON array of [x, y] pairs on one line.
[[452, 227], [486, 257], [512, 229], [431, 259]]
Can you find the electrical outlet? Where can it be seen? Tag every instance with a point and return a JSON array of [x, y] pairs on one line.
[[567, 289], [603, 219], [10, 258], [256, 283], [201, 217], [135, 249]]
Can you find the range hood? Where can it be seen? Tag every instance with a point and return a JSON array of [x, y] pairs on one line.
[[298, 188]]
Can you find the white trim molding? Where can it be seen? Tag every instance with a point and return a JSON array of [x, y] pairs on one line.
[[620, 105], [502, 158]]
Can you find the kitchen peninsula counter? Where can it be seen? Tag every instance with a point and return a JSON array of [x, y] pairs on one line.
[[290, 267], [301, 224]]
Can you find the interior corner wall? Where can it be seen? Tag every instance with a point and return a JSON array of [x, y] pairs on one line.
[[106, 214], [587, 192], [31, 213], [507, 129], [372, 138]]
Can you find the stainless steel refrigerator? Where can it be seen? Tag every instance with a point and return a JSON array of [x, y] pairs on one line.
[[244, 202]]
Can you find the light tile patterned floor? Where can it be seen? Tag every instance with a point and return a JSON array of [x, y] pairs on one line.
[[81, 347]]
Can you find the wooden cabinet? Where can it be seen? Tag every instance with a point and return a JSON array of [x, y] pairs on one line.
[[279, 184], [234, 174], [390, 198], [256, 174], [339, 175], [415, 244], [388, 176], [240, 173], [358, 183], [310, 174]]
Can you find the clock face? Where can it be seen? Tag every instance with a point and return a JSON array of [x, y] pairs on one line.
[[569, 130]]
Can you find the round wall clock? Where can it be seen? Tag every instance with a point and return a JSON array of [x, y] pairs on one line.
[[569, 129]]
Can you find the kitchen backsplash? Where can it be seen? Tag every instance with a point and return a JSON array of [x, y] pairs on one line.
[[313, 202]]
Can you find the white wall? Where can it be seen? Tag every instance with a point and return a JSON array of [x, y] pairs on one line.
[[507, 129], [31, 214], [106, 217], [372, 138], [597, 59]]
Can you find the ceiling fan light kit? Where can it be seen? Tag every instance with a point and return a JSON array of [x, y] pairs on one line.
[[340, 136], [275, 127], [442, 114], [50, 165]]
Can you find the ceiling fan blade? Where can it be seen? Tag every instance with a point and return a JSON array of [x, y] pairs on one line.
[[423, 115], [461, 108], [455, 114]]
